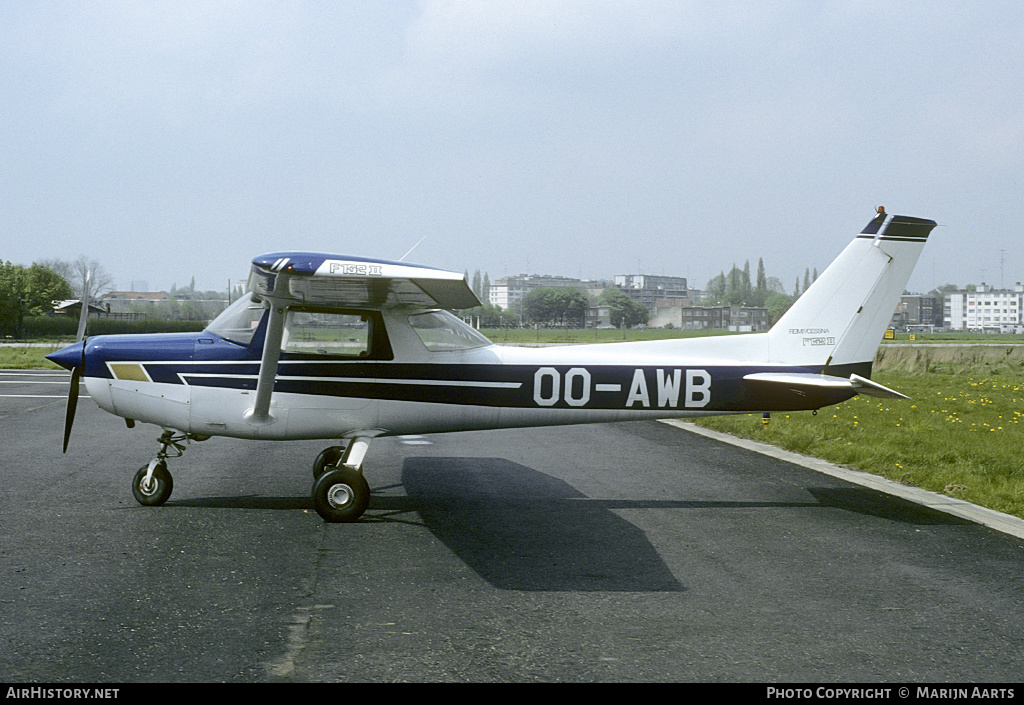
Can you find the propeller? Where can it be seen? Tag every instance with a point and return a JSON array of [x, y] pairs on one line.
[[73, 358]]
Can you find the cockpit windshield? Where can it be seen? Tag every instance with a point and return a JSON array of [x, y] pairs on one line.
[[239, 321]]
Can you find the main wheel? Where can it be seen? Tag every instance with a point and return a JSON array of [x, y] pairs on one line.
[[328, 458], [341, 495], [157, 490]]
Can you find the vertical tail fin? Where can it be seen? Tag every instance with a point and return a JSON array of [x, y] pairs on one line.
[[838, 323]]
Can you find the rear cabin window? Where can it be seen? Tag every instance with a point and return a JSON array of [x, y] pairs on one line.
[[442, 331]]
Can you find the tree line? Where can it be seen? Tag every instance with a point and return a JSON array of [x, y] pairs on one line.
[[737, 289], [28, 294]]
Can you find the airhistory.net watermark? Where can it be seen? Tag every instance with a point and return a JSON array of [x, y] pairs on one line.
[[48, 693]]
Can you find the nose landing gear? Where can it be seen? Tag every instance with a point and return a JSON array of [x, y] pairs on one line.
[[153, 483]]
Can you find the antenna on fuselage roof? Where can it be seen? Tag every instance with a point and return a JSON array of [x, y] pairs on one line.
[[412, 248]]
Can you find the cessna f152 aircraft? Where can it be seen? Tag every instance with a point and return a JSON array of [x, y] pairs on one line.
[[334, 347]]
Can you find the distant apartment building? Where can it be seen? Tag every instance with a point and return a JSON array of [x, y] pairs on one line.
[[744, 319], [508, 292], [985, 309], [599, 316], [917, 312], [648, 288]]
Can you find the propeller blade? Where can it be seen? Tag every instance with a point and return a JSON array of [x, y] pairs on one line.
[[69, 415], [70, 358], [83, 315], [83, 318]]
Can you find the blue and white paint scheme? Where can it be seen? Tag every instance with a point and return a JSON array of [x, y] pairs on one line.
[[337, 347]]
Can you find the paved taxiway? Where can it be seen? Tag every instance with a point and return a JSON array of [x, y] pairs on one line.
[[596, 553]]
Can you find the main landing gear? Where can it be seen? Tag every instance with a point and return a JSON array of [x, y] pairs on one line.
[[340, 492]]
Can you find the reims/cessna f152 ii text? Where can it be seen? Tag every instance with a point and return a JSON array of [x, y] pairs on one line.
[[334, 347]]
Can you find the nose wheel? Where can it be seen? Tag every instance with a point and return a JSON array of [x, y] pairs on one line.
[[152, 489]]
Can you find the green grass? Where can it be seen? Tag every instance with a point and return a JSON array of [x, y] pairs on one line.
[[27, 358], [959, 434]]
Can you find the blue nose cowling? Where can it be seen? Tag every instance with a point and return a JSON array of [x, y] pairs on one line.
[[70, 357]]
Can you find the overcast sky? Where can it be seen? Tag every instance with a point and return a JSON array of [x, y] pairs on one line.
[[176, 139]]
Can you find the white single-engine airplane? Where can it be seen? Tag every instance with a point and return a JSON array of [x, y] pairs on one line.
[[334, 347]]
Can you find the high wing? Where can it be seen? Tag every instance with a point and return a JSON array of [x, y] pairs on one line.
[[287, 279], [309, 278]]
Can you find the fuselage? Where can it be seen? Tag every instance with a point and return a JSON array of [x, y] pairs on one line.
[[402, 383]]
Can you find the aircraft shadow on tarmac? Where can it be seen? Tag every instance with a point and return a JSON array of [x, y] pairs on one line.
[[524, 530], [862, 500], [520, 529]]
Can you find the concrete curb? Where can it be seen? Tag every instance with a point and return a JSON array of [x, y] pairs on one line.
[[1004, 523]]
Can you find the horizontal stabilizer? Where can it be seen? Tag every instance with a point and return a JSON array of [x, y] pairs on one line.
[[874, 389], [807, 383]]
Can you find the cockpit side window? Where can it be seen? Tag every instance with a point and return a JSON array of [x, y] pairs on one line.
[[334, 333], [442, 331]]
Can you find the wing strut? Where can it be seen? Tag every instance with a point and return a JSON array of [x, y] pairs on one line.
[[259, 414]]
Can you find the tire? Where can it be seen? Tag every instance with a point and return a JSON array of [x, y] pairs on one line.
[[341, 495], [328, 458], [160, 489]]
